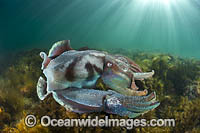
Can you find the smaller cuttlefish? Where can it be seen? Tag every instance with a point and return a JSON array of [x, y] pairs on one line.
[[72, 76]]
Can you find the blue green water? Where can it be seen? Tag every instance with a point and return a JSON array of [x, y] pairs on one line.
[[169, 26]]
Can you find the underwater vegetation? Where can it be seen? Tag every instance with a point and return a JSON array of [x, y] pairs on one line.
[[176, 82]]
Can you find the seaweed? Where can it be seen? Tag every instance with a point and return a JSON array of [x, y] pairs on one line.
[[176, 83]]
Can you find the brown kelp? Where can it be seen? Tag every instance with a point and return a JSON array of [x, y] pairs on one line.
[[176, 82]]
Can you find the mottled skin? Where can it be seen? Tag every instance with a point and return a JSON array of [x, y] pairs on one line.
[[72, 76], [119, 74]]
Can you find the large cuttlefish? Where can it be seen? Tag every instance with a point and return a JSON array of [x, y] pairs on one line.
[[72, 77]]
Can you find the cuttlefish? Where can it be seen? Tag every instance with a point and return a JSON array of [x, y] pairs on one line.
[[72, 75]]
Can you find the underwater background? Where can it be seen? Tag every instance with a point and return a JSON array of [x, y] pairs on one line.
[[160, 35], [154, 25]]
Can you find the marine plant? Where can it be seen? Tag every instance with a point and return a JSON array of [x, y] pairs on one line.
[[172, 77]]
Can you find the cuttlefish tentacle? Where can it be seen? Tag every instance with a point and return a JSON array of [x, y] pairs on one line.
[[108, 101]]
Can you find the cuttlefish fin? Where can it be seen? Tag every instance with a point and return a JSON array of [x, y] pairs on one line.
[[84, 48], [58, 48]]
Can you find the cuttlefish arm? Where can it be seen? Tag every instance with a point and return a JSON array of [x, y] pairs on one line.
[[131, 106], [89, 100], [143, 75], [140, 76], [135, 69], [120, 83], [118, 76]]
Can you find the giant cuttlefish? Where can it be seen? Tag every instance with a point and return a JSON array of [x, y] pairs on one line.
[[72, 77]]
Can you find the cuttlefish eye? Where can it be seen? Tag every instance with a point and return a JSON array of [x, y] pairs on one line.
[[109, 64], [125, 69]]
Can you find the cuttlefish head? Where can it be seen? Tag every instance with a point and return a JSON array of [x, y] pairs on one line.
[[120, 72]]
